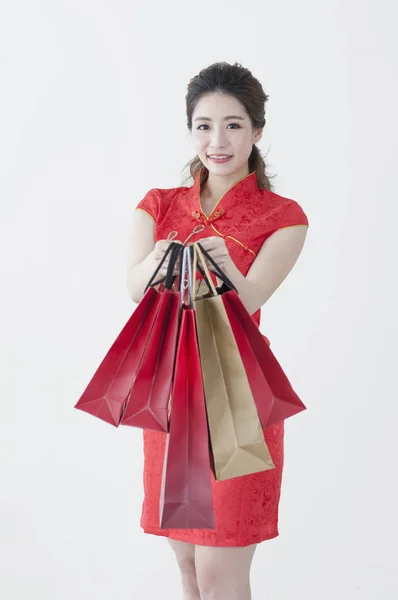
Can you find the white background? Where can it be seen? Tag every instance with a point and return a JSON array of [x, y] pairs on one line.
[[92, 116]]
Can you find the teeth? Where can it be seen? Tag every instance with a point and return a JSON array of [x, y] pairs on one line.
[[219, 156]]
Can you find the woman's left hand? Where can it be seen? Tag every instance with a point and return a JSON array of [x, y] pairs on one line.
[[216, 247]]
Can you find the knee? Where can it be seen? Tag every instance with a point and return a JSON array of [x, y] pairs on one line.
[[214, 582], [185, 555], [186, 564], [208, 577]]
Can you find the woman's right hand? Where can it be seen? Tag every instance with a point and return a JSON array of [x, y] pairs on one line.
[[144, 255], [158, 253]]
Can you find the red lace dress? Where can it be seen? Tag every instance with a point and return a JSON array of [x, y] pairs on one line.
[[246, 508]]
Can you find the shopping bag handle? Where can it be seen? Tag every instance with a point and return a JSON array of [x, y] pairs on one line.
[[199, 264], [170, 278], [218, 271], [173, 249], [186, 269]]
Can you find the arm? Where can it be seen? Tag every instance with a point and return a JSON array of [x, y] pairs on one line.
[[144, 254], [276, 258], [140, 261]]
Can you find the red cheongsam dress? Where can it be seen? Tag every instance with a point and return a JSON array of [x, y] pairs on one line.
[[246, 507]]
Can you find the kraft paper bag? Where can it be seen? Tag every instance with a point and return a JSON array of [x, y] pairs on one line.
[[237, 439]]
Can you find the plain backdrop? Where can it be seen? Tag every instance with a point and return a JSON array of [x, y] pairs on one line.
[[92, 116]]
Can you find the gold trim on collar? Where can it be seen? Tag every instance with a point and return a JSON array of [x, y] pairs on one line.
[[226, 192]]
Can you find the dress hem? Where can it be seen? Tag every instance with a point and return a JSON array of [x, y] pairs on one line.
[[192, 540]]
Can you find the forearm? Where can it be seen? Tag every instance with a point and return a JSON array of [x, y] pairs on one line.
[[138, 277], [251, 297]]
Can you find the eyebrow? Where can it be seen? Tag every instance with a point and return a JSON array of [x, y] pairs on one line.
[[225, 118]]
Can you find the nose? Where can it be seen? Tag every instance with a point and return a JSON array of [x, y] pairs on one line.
[[217, 139]]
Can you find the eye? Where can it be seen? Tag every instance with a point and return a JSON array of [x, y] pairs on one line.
[[204, 125]]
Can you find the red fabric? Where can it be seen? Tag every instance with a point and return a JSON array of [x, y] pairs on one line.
[[245, 508]]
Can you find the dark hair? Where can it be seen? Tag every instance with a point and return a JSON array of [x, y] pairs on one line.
[[239, 82]]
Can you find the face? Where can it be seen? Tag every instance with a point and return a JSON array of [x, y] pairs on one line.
[[220, 125]]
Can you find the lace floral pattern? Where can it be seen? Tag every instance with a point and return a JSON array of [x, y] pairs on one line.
[[246, 508]]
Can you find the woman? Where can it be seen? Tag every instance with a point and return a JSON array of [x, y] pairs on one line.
[[256, 237]]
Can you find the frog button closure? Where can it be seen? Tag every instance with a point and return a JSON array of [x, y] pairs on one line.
[[197, 216], [217, 214]]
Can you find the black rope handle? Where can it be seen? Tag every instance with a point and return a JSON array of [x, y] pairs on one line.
[[171, 248], [169, 279], [220, 274]]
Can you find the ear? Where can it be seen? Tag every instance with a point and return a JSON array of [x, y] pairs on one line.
[[257, 135]]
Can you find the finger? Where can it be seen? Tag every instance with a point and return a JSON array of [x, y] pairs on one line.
[[221, 264], [206, 243], [214, 245], [166, 267], [160, 248], [163, 245], [218, 258]]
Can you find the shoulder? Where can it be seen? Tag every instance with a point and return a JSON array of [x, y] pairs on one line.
[[284, 211], [156, 201]]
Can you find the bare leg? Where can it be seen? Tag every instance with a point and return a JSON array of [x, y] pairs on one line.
[[185, 554], [224, 573]]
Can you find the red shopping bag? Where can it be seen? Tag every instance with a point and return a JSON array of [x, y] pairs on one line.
[[148, 398], [273, 393], [186, 498], [106, 393]]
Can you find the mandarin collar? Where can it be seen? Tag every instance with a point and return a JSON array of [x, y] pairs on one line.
[[240, 191]]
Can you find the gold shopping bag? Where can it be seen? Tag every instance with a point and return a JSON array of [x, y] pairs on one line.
[[236, 437]]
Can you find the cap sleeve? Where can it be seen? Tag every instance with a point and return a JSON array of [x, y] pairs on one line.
[[150, 204], [293, 215]]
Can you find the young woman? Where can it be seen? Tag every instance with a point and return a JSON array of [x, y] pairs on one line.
[[256, 236]]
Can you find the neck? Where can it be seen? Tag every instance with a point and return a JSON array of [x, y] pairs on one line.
[[217, 185]]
